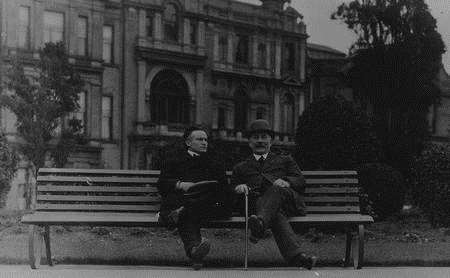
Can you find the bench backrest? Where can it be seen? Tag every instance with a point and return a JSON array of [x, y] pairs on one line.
[[64, 189]]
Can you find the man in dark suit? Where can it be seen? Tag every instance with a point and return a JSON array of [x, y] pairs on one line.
[[193, 189], [275, 186]]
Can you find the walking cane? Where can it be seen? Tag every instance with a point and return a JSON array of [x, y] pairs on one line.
[[246, 231]]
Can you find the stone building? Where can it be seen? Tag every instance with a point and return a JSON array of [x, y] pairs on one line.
[[154, 66]]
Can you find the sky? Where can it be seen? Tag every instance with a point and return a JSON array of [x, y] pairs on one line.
[[321, 29]]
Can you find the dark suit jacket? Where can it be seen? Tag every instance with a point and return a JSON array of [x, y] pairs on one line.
[[275, 167], [186, 168]]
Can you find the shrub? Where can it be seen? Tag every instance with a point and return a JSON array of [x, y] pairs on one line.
[[8, 166], [333, 134], [384, 186], [430, 183]]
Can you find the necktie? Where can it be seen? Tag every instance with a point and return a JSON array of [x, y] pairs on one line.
[[261, 161]]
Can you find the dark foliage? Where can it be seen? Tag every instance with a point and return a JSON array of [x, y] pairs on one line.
[[394, 63], [384, 186], [334, 135], [430, 180], [8, 165]]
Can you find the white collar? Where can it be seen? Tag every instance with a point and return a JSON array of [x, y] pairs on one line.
[[192, 153], [257, 156]]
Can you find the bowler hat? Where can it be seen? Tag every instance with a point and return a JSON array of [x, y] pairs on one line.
[[260, 126]]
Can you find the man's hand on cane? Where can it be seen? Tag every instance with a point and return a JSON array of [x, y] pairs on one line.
[[241, 188]]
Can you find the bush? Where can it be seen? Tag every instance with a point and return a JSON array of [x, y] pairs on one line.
[[333, 134], [384, 186], [430, 183], [8, 166]]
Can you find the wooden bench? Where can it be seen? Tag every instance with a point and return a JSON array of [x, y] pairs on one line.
[[101, 197]]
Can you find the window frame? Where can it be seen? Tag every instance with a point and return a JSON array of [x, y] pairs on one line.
[[110, 45], [55, 29], [85, 51], [109, 118], [171, 27], [24, 29]]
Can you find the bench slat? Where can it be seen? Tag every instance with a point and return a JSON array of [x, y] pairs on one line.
[[85, 198], [331, 190], [106, 189], [332, 181], [153, 189], [81, 207], [332, 199], [332, 209], [146, 219], [92, 180], [108, 172]]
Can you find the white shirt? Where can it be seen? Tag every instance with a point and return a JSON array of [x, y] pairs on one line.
[[258, 156]]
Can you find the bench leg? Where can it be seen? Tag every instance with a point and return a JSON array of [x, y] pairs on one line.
[[348, 248], [358, 248], [48, 251], [35, 246], [246, 232]]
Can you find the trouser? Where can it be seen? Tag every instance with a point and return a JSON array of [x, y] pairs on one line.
[[273, 207], [190, 223]]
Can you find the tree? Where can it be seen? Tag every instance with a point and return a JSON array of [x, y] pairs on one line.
[[333, 134], [8, 166], [42, 94], [394, 63]]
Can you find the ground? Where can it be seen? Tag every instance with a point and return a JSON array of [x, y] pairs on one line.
[[406, 239]]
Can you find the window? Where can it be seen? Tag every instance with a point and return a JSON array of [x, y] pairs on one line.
[[80, 113], [260, 113], [108, 43], [273, 55], [223, 47], [24, 27], [53, 27], [170, 23], [106, 117], [193, 32], [240, 110], [289, 57], [288, 113], [82, 31], [262, 55], [149, 24], [169, 99], [242, 50], [221, 117]]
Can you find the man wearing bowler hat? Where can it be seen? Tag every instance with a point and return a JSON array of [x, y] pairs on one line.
[[275, 186]]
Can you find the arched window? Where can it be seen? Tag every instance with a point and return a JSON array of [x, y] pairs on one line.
[[240, 110], [170, 23], [262, 55], [169, 98], [287, 110]]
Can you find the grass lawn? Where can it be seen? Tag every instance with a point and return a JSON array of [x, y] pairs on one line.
[[401, 240]]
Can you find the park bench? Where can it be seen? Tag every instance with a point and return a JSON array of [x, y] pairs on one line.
[[104, 197]]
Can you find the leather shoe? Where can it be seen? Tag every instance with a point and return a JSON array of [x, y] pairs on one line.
[[199, 252], [304, 261], [256, 226]]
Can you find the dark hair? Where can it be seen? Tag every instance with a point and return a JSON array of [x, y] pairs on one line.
[[188, 131]]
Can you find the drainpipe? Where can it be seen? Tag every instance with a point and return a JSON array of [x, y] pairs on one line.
[[122, 85]]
